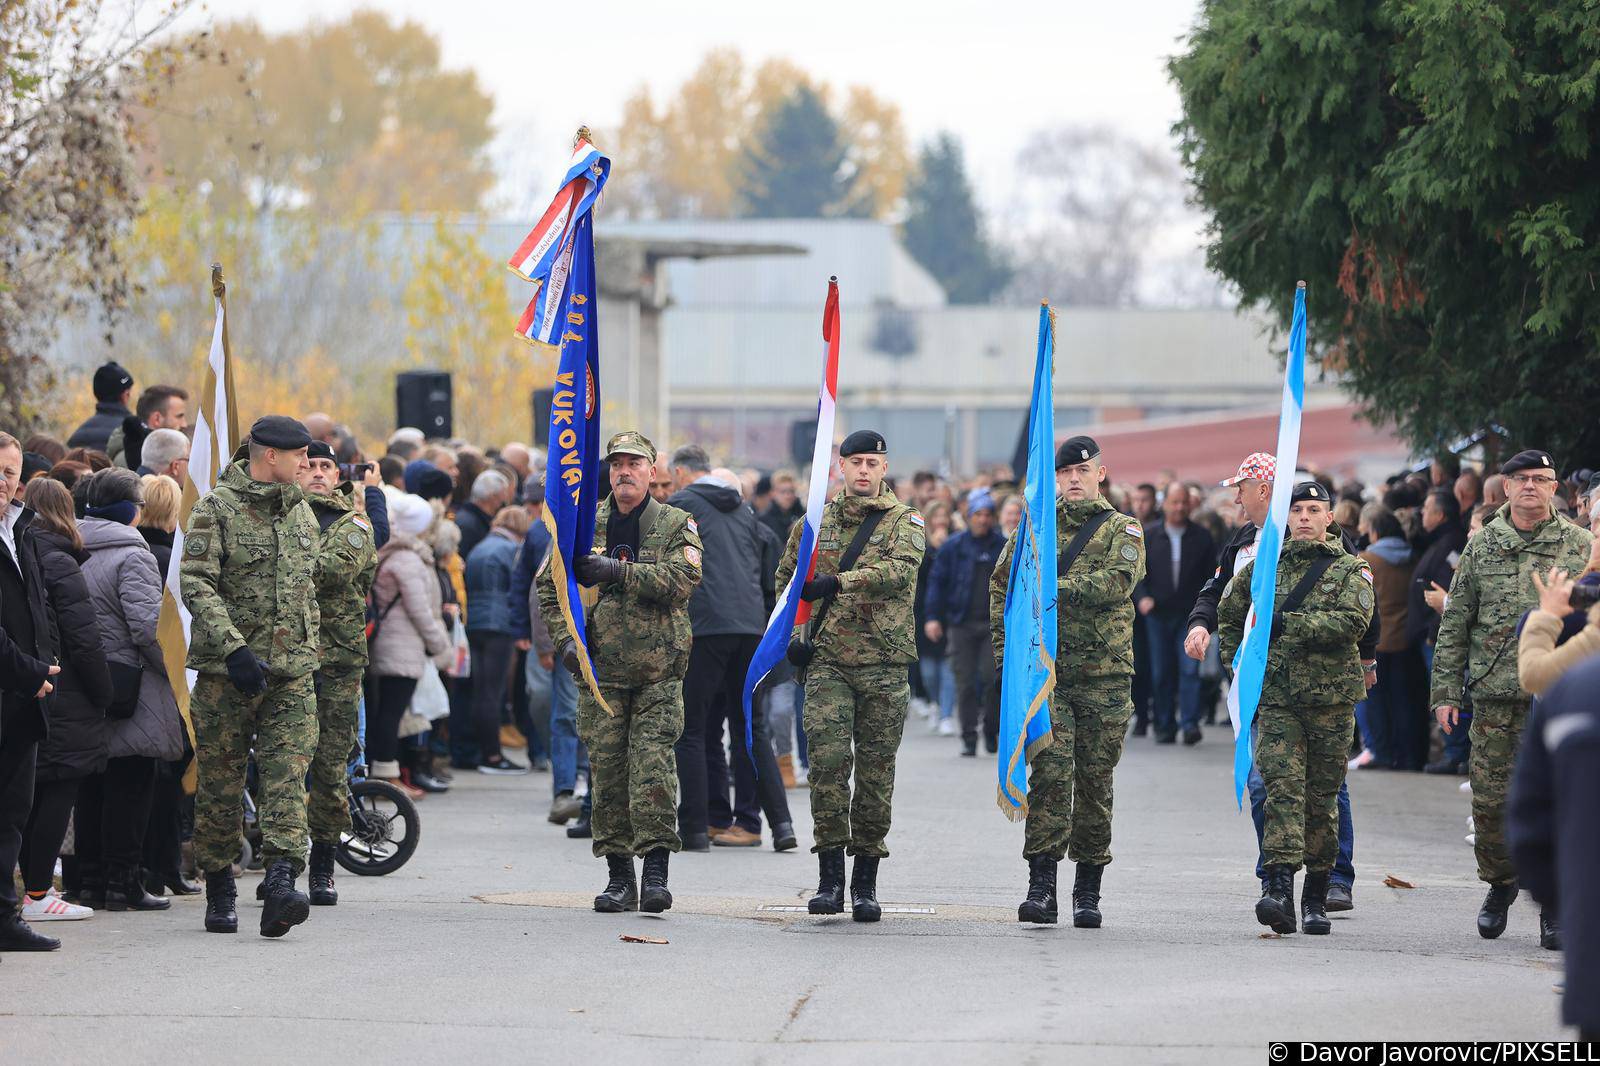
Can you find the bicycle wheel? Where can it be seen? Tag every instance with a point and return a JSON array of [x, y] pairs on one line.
[[385, 829]]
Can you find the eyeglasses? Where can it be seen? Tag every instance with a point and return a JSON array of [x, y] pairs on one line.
[[1531, 479]]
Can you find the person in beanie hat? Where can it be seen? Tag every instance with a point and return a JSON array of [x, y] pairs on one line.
[[113, 388]]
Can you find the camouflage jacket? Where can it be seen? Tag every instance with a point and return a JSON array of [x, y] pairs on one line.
[[1493, 587], [1094, 602], [248, 575], [639, 628], [870, 621], [1314, 661], [346, 562]]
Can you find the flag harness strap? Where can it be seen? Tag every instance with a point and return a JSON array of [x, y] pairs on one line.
[[858, 544], [1085, 533], [1298, 594]]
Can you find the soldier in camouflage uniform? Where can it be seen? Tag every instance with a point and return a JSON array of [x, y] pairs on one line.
[[856, 681], [247, 578], [645, 564], [347, 557], [1070, 779], [1477, 653], [1307, 710]]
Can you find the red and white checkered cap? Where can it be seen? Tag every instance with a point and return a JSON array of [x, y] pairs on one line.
[[1259, 466]]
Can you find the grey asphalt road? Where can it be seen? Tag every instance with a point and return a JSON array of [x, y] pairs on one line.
[[483, 949]]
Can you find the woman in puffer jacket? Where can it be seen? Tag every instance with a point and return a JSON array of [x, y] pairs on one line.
[[76, 744], [410, 628], [1542, 656], [114, 805]]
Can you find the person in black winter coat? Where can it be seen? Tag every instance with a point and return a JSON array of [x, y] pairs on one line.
[[727, 616], [75, 746], [24, 722], [1554, 836], [113, 388], [1442, 541]]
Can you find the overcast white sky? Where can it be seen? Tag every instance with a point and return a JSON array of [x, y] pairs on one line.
[[990, 72]]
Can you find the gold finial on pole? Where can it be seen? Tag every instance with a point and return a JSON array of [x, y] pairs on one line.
[[583, 134], [219, 288], [1299, 284]]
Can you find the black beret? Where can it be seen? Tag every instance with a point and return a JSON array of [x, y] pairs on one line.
[[1075, 450], [435, 484], [280, 431], [1309, 490], [320, 449], [1532, 459], [111, 381], [863, 442]]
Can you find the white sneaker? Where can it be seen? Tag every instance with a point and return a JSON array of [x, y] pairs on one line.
[[1364, 759], [1472, 840], [53, 909], [1466, 786], [947, 727], [921, 706]]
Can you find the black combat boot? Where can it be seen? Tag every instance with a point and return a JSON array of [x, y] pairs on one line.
[[1086, 896], [285, 907], [91, 885], [830, 886], [220, 896], [320, 873], [653, 895], [125, 892], [1276, 905], [1314, 904], [1549, 932], [1040, 906], [622, 891], [864, 890], [1492, 918]]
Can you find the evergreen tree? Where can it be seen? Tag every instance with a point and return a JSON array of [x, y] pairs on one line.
[[944, 229], [796, 167], [1428, 167]]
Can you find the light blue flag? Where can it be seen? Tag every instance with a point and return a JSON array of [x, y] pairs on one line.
[[1250, 661], [1028, 672]]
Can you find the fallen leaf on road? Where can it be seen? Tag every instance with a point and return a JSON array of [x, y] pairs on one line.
[[1270, 936], [1394, 882], [629, 939], [574, 1010]]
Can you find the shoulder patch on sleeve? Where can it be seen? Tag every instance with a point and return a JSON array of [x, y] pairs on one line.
[[692, 554], [355, 540], [362, 521], [690, 525], [916, 519], [1130, 553], [1135, 529], [196, 544], [1366, 573]]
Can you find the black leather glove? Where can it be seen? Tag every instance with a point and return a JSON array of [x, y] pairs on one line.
[[598, 570], [569, 657], [1277, 626], [819, 587], [245, 671]]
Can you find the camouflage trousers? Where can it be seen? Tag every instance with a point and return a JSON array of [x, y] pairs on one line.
[[1496, 730], [1069, 781], [854, 717], [633, 770], [338, 694], [1301, 753], [282, 725]]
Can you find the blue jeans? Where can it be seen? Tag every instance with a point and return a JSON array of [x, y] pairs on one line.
[[1344, 871], [1174, 677], [939, 678], [1457, 744], [567, 756]]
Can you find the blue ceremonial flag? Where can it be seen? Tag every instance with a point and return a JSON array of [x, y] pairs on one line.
[[558, 256], [1028, 671], [1250, 661]]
